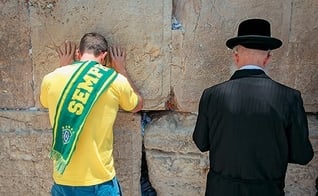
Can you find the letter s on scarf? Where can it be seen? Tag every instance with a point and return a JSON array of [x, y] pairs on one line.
[[75, 107]]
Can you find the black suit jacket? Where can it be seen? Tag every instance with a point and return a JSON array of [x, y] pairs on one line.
[[252, 127]]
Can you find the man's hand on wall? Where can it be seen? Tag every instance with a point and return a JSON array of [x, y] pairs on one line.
[[118, 59], [67, 53]]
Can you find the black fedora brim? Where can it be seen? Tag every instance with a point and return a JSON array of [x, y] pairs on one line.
[[254, 42]]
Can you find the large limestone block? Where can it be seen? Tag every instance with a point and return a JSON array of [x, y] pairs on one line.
[[302, 51], [176, 130], [25, 139], [25, 142], [16, 79], [142, 27], [127, 152], [200, 58], [176, 167], [173, 174]]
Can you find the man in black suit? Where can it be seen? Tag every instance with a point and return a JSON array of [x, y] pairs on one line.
[[251, 125]]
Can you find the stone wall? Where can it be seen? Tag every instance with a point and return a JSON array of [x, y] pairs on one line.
[[171, 68], [200, 58], [25, 141], [177, 167]]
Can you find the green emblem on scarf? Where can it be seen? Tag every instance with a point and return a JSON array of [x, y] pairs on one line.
[[88, 82]]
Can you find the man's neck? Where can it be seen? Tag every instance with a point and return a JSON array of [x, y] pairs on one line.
[[89, 57]]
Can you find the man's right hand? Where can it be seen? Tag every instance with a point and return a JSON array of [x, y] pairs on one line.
[[66, 53], [118, 59]]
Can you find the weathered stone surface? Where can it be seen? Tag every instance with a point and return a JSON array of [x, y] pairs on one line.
[[127, 152], [175, 129], [16, 77], [200, 58], [302, 52], [176, 167], [24, 185], [25, 141], [142, 27], [25, 166], [172, 174], [23, 122]]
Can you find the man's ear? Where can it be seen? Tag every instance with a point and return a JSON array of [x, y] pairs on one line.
[[103, 58], [267, 59], [236, 57], [77, 55], [105, 55]]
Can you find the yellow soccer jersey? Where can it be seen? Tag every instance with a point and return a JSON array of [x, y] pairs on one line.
[[92, 161]]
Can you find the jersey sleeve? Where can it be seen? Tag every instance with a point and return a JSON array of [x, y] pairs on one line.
[[128, 99], [44, 93]]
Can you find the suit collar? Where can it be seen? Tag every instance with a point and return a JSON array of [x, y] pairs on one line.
[[249, 73]]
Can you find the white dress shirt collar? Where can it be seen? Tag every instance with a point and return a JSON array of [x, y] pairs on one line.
[[251, 67]]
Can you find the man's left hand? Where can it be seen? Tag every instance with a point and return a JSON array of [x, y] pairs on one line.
[[66, 53]]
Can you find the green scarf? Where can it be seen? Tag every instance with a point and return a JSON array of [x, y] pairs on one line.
[[84, 87]]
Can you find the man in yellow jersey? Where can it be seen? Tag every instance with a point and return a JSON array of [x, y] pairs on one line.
[[83, 99]]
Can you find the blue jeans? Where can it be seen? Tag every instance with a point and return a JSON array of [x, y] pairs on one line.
[[109, 188]]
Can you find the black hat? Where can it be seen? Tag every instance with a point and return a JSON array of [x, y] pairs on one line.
[[255, 34]]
